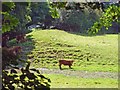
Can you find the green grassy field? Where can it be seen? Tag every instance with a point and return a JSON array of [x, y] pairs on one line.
[[96, 53], [61, 81], [90, 53]]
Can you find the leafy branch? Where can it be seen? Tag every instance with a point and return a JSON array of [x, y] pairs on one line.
[[112, 14]]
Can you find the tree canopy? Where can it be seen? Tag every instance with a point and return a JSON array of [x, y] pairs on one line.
[[11, 19], [111, 14], [11, 16]]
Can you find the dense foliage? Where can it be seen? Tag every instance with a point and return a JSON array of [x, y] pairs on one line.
[[40, 15], [111, 14], [15, 16], [9, 21], [39, 11], [54, 8], [86, 15], [27, 79], [22, 11]]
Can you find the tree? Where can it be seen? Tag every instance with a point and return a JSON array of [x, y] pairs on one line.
[[9, 21], [27, 78], [111, 14], [22, 11], [15, 15]]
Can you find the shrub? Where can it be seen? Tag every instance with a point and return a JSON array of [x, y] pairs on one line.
[[27, 79]]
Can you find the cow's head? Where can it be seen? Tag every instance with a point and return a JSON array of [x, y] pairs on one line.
[[72, 61]]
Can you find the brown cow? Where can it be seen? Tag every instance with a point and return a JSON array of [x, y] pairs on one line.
[[20, 38], [65, 62], [15, 50], [10, 55]]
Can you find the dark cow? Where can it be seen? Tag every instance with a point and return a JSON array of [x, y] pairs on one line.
[[20, 38], [10, 55], [12, 34], [65, 62]]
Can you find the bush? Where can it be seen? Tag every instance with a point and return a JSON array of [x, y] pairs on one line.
[[27, 79]]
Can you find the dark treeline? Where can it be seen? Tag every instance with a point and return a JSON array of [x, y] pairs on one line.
[[75, 17]]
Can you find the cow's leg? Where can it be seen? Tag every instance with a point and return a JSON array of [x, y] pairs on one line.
[[70, 66], [60, 66]]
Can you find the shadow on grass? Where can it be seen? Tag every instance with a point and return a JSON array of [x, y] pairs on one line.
[[65, 68]]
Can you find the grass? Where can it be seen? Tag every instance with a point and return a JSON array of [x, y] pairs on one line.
[[102, 68], [61, 81], [97, 53], [90, 53]]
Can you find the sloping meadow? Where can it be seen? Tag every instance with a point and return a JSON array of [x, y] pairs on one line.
[[95, 53]]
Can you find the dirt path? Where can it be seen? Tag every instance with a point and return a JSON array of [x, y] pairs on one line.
[[80, 74]]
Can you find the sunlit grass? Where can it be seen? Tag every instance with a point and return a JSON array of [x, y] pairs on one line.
[[91, 54], [96, 53], [62, 81]]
